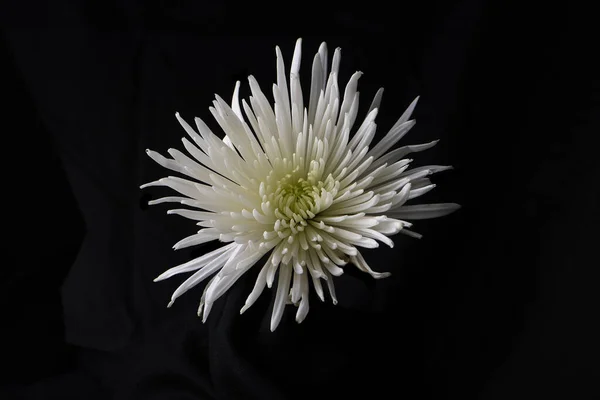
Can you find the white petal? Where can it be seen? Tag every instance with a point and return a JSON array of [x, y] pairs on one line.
[[197, 262], [236, 256], [318, 287], [411, 233], [259, 287], [283, 288], [331, 288], [389, 173], [390, 226], [402, 196], [303, 308], [197, 277], [168, 199], [350, 94], [391, 138], [376, 103], [316, 85], [203, 236], [360, 262], [235, 101], [190, 131], [397, 154], [295, 292], [365, 206], [420, 191], [223, 285], [191, 214], [282, 84], [166, 163], [424, 211], [183, 186], [432, 168], [407, 113]]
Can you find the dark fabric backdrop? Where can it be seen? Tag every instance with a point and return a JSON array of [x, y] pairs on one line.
[[497, 301]]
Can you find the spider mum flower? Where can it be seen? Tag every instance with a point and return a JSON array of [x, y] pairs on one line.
[[298, 184]]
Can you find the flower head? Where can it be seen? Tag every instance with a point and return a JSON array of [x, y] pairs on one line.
[[297, 184]]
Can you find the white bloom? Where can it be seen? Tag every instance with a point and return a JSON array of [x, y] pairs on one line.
[[292, 183]]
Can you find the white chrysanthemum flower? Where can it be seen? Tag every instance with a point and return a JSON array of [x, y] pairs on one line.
[[293, 182]]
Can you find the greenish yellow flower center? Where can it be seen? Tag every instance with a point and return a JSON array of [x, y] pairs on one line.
[[297, 196], [294, 196]]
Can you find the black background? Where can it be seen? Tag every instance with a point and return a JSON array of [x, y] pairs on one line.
[[497, 301]]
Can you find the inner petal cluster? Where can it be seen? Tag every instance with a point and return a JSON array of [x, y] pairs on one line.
[[297, 200], [291, 199]]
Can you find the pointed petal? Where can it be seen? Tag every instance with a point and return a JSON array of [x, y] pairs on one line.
[[283, 288], [424, 211]]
